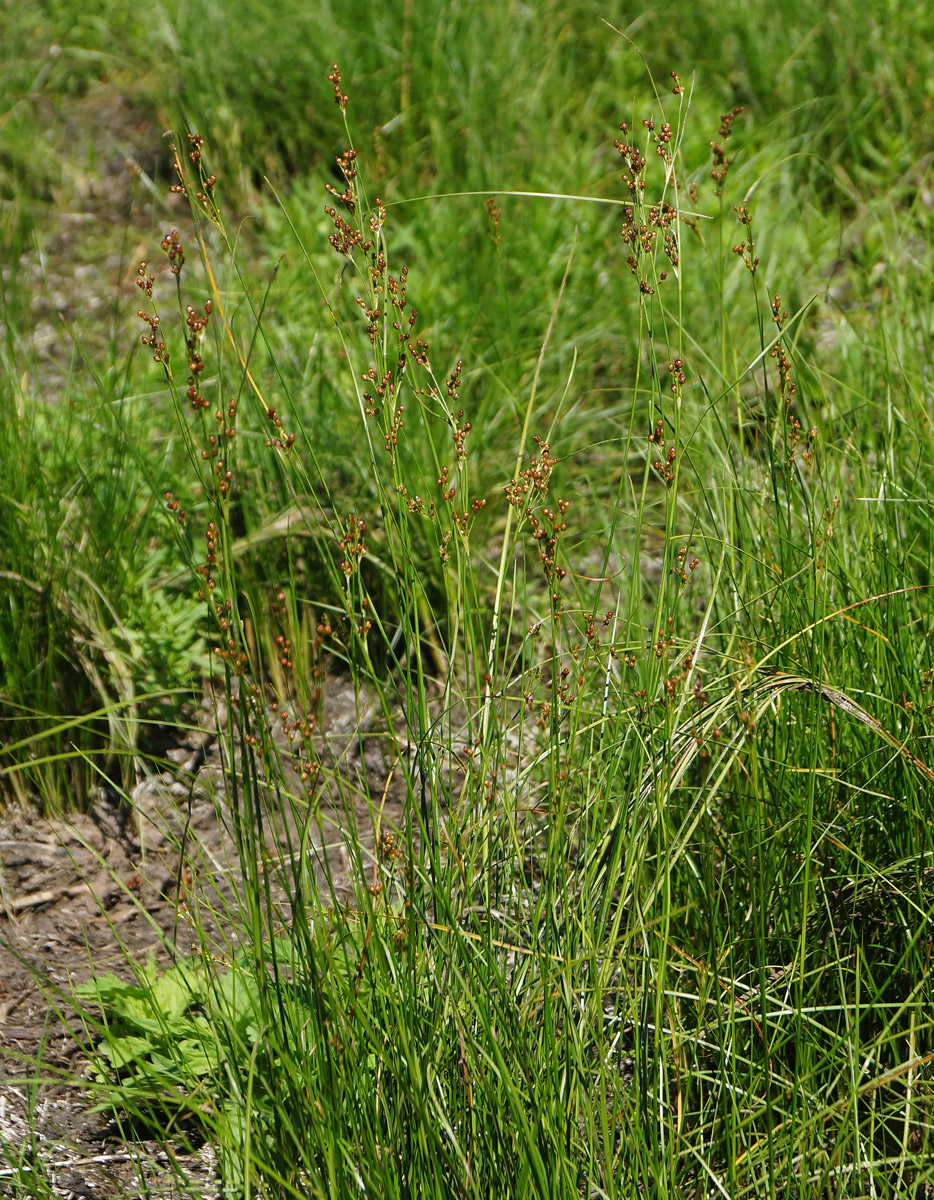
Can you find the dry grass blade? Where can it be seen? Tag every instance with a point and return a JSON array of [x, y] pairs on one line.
[[689, 740], [757, 698], [777, 684]]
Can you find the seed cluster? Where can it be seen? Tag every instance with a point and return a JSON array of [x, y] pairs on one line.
[[173, 249], [174, 506], [152, 339], [682, 566], [528, 491], [334, 77], [204, 190], [195, 325], [390, 326], [795, 436], [230, 640], [721, 164], [664, 466], [747, 247], [347, 240], [281, 440], [353, 545], [643, 226]]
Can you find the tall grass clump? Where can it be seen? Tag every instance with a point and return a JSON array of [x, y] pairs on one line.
[[91, 644], [634, 863]]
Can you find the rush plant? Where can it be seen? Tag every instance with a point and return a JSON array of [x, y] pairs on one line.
[[632, 895]]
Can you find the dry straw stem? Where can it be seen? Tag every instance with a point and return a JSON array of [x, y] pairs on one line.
[[761, 696]]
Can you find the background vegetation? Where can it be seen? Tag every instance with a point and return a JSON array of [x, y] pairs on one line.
[[659, 683]]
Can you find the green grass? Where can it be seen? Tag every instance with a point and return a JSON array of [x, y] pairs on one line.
[[657, 917]]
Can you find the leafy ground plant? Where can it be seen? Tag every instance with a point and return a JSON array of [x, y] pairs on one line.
[[163, 1051]]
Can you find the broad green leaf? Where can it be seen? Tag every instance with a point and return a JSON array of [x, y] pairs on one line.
[[123, 1050]]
